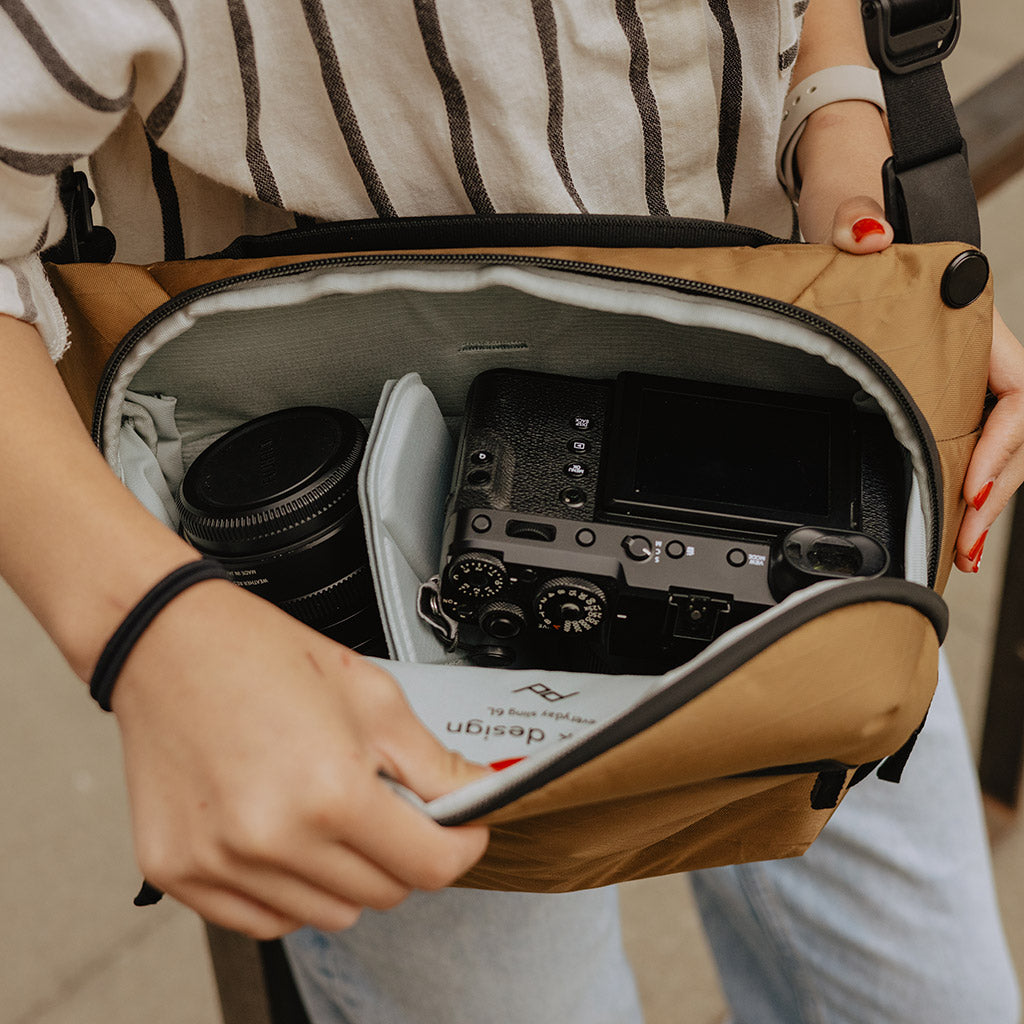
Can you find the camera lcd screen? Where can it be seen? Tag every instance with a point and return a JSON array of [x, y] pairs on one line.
[[684, 446]]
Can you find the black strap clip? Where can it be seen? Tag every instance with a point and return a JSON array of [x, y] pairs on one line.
[[85, 241], [907, 35], [914, 194]]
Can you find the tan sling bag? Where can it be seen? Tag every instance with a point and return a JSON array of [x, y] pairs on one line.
[[740, 753]]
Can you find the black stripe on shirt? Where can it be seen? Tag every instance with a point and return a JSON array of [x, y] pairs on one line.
[[794, 231], [547, 33], [334, 83], [646, 105], [788, 57], [259, 167], [39, 165], [62, 72], [160, 116], [28, 306], [41, 240], [455, 104], [731, 105], [167, 196]]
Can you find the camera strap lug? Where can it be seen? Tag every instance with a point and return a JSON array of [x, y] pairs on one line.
[[428, 607]]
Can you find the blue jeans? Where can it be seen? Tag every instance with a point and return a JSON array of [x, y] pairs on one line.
[[890, 918]]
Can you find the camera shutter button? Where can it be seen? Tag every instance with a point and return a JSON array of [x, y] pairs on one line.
[[637, 548]]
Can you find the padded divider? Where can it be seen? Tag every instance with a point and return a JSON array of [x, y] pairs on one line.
[[403, 482]]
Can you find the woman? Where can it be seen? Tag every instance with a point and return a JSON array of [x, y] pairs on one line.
[[209, 121]]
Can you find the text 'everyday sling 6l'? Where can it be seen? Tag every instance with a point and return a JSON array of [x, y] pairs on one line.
[[739, 753]]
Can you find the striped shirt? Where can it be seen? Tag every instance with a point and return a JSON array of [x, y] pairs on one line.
[[207, 119]]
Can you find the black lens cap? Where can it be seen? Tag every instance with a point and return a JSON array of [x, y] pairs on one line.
[[272, 480]]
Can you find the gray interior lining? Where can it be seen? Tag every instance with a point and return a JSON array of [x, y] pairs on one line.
[[340, 348], [334, 337]]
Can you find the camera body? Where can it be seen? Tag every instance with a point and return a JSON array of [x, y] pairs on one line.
[[623, 525]]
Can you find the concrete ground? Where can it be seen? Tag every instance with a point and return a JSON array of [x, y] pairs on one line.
[[73, 950]]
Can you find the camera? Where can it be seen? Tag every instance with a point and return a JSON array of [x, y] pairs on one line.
[[275, 502], [622, 525]]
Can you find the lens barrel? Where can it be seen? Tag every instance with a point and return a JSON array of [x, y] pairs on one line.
[[275, 501]]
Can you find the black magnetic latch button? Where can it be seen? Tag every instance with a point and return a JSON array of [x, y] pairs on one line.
[[964, 279]]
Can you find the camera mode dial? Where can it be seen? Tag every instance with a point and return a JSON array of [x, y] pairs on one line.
[[569, 604], [477, 575]]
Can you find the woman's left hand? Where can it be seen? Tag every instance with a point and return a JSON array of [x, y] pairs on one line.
[[996, 469]]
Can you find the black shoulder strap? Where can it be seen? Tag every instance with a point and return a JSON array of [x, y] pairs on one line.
[[928, 192]]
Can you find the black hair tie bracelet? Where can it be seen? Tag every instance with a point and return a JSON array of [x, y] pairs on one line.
[[120, 645]]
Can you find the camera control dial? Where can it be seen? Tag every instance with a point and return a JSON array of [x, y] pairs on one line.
[[637, 548], [570, 604], [477, 574]]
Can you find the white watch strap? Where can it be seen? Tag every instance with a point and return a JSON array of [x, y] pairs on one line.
[[830, 85]]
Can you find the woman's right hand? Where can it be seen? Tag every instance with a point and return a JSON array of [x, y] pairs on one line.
[[254, 746], [255, 750]]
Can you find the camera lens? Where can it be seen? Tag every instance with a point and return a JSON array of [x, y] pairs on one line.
[[275, 501]]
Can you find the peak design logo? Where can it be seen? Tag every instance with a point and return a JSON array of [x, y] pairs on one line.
[[544, 691]]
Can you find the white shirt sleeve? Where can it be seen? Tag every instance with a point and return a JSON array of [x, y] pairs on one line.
[[70, 72]]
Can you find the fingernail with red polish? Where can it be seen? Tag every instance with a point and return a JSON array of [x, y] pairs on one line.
[[979, 499], [498, 766], [866, 226], [974, 555]]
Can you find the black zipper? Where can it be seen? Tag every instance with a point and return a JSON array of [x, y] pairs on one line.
[[599, 271], [508, 230]]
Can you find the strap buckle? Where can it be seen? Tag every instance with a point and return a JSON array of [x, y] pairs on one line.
[[85, 241], [907, 35], [933, 202]]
